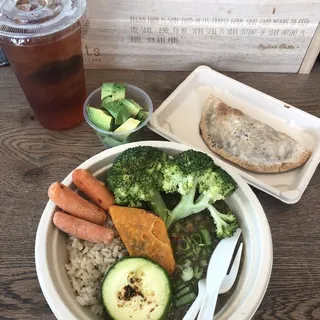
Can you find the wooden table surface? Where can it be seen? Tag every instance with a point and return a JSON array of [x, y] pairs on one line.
[[32, 157]]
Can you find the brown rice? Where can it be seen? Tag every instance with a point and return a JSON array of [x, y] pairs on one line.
[[88, 264]]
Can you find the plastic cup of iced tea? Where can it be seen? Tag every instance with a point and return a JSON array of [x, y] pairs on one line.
[[42, 42]]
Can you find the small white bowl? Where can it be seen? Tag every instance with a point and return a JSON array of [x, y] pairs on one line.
[[51, 254]]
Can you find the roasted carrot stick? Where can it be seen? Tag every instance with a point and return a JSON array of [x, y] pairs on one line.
[[82, 229], [71, 202], [93, 188]]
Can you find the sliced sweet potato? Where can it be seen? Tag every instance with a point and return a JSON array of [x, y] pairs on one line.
[[144, 234]]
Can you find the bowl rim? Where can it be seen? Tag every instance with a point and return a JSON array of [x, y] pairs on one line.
[[245, 310], [112, 133]]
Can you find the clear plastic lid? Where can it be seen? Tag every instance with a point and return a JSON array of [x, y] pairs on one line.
[[37, 18]]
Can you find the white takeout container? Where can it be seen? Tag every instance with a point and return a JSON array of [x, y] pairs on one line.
[[178, 117], [51, 254]]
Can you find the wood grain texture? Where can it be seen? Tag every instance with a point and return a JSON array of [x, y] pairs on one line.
[[32, 157], [234, 35], [312, 53]]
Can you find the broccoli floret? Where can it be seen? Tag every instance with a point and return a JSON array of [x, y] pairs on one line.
[[226, 223], [191, 172], [139, 175], [136, 178]]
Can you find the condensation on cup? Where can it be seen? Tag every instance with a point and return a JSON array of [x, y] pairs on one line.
[[42, 41]]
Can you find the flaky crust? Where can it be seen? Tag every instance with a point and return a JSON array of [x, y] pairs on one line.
[[214, 104]]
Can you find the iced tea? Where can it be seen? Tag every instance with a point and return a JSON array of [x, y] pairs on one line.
[[49, 67]]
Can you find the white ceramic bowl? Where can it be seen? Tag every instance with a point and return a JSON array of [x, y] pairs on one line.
[[51, 254]]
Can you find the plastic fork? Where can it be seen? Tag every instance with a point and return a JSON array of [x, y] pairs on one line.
[[217, 269], [226, 285]]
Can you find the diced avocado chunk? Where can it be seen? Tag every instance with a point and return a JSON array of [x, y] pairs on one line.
[[142, 115], [112, 107], [107, 112], [107, 90], [129, 125], [112, 90], [105, 102], [99, 118], [132, 106], [119, 91], [118, 111], [135, 103], [122, 116]]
